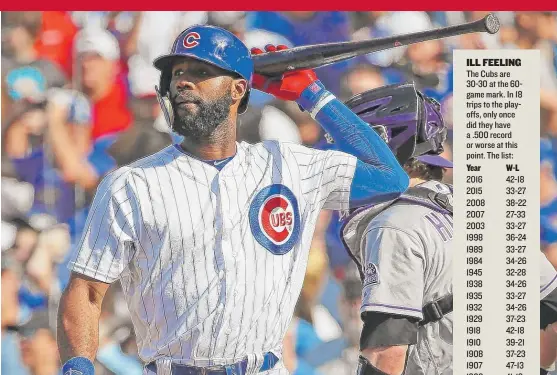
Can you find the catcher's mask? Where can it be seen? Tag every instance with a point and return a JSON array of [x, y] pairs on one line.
[[409, 122], [213, 45]]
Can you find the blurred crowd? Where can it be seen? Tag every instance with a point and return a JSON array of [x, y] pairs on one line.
[[78, 100]]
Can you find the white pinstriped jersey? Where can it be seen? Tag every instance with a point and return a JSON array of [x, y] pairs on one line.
[[212, 262]]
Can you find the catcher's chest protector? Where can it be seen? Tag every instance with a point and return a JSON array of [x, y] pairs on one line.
[[355, 225]]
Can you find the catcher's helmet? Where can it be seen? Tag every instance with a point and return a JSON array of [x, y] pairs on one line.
[[408, 121], [212, 45]]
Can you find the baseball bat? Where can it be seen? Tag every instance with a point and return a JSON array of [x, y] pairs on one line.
[[317, 55]]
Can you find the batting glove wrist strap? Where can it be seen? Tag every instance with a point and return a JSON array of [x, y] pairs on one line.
[[78, 366], [311, 98]]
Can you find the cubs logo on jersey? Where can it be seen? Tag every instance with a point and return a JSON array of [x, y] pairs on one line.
[[275, 219]]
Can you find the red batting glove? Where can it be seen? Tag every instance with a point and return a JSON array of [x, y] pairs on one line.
[[287, 87]]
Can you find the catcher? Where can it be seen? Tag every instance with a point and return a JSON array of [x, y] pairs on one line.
[[403, 248]]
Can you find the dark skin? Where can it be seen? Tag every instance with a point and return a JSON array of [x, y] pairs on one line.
[[194, 80], [78, 317]]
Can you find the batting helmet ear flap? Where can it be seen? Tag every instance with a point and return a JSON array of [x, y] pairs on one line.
[[163, 91], [166, 106]]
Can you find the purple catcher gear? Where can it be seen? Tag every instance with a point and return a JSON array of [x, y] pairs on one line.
[[408, 121]]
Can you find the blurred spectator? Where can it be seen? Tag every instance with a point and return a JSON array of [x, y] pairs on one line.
[[75, 135], [309, 131], [27, 75], [548, 199], [536, 30], [56, 39], [10, 285], [302, 28], [10, 354], [372, 25], [338, 256], [17, 198], [360, 78], [115, 328], [26, 239], [349, 302], [275, 124], [152, 36], [39, 351], [51, 248], [98, 55], [149, 133], [312, 324]]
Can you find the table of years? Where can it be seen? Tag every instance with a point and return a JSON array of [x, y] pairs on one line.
[[496, 119]]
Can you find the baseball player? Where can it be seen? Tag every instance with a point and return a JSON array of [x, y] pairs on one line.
[[210, 238], [548, 316], [404, 248]]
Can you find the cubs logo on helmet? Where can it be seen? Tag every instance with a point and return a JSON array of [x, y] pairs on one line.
[[275, 219], [191, 40]]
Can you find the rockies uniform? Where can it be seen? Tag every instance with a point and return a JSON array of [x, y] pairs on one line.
[[212, 263], [548, 292], [406, 265]]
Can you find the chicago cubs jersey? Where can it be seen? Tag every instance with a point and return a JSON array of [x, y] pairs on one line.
[[407, 263], [212, 262]]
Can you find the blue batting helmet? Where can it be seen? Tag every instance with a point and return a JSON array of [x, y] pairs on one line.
[[212, 45]]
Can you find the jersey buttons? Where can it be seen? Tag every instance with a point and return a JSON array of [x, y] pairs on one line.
[[221, 274]]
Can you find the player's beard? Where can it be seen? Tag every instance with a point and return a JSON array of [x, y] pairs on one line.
[[202, 122]]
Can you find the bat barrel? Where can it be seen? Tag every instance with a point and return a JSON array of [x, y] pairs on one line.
[[313, 56], [492, 23]]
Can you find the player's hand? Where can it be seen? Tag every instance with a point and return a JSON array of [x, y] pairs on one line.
[[287, 87]]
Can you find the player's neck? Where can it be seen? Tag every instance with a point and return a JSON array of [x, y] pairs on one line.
[[220, 145], [414, 181]]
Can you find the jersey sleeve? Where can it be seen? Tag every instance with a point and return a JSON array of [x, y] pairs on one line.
[[326, 176], [108, 240], [393, 273]]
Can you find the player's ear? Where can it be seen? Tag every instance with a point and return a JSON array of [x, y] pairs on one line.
[[239, 88]]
